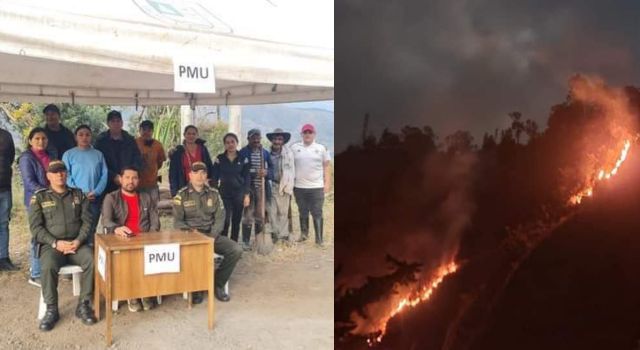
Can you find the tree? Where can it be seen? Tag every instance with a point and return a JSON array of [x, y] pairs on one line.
[[531, 129], [213, 134], [166, 124], [26, 116], [418, 140], [459, 142], [516, 125], [488, 142], [389, 139]]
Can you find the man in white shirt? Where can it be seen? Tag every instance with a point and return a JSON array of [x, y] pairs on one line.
[[312, 181]]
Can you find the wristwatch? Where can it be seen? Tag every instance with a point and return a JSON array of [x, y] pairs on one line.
[[53, 245]]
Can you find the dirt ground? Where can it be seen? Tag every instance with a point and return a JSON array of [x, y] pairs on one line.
[[284, 301]]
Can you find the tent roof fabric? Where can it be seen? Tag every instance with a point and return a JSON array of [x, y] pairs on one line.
[[121, 51]]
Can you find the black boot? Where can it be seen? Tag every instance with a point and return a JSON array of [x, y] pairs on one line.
[[246, 237], [196, 298], [50, 318], [85, 313], [7, 265], [221, 294], [317, 227], [304, 229]]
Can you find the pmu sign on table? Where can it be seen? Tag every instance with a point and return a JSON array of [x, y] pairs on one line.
[[161, 258], [193, 75]]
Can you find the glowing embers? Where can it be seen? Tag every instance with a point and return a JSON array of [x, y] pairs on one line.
[[602, 175]]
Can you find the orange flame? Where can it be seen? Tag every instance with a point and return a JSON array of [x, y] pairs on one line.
[[588, 191], [422, 294]]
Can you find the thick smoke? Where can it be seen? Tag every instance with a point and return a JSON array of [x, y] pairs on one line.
[[444, 199]]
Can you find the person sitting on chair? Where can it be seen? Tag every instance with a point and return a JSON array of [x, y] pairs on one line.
[[198, 207], [127, 212], [60, 221]]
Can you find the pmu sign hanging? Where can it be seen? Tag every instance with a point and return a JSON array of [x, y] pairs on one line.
[[193, 75]]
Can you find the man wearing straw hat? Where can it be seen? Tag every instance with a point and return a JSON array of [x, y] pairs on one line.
[[282, 184]]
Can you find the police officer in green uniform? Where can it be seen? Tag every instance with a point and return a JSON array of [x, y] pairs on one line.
[[60, 221], [199, 207]]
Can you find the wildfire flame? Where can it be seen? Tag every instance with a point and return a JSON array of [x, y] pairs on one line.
[[425, 292], [421, 295], [588, 191]]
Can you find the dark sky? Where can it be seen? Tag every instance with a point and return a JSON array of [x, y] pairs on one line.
[[466, 64]]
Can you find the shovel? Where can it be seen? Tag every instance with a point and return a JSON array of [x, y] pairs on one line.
[[264, 243]]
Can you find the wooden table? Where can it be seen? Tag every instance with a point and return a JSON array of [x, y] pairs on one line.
[[124, 276]]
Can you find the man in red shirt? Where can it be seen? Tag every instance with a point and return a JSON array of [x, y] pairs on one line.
[[127, 212]]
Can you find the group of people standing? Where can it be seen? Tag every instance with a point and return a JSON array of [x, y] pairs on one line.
[[69, 184]]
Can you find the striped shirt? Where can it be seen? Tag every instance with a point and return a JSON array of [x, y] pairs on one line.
[[255, 166]]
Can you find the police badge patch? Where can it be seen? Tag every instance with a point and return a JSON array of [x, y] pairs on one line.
[[48, 204]]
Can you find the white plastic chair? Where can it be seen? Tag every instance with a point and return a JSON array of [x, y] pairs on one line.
[[75, 271]]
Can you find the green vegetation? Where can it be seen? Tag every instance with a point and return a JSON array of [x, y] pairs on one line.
[[26, 116]]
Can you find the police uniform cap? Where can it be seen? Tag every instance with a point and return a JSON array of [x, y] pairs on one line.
[[197, 166], [56, 166]]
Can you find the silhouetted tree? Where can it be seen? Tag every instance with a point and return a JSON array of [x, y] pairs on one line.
[[516, 125], [459, 142], [389, 139], [488, 142], [531, 129]]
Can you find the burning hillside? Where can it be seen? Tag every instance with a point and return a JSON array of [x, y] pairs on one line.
[[522, 192]]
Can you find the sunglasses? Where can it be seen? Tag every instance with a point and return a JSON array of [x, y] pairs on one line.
[[307, 132]]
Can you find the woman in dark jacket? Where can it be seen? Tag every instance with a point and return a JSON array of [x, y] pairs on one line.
[[180, 159], [231, 176], [33, 167]]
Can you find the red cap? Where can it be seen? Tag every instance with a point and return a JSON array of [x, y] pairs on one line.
[[308, 127]]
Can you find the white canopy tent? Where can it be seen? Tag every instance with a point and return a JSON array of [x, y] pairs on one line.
[[120, 52]]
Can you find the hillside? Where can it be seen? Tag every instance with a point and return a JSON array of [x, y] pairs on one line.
[[289, 118]]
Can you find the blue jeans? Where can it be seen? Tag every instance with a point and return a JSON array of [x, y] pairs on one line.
[[35, 262], [5, 215]]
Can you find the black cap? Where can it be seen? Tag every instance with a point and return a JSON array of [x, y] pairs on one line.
[[253, 132], [56, 166], [146, 124], [51, 108], [197, 166]]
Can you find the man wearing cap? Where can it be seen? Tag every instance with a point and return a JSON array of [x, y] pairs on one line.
[[126, 212], [60, 221], [119, 148], [60, 138], [312, 181], [152, 158], [198, 207], [283, 181], [251, 215]]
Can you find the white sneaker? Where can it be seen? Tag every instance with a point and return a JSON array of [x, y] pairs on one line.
[[35, 282], [134, 305]]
